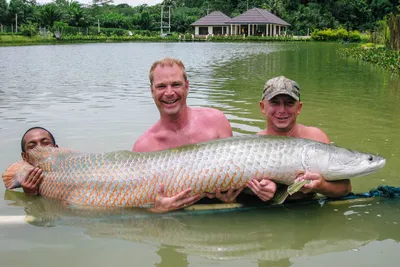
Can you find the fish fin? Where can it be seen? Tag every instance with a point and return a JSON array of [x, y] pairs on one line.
[[280, 195], [43, 156], [15, 174], [296, 186]]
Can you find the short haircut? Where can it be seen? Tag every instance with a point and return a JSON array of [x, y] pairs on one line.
[[34, 128], [167, 62]]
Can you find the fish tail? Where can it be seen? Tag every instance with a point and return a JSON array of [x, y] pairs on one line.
[[15, 174]]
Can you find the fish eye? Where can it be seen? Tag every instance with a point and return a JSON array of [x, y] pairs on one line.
[[370, 158]]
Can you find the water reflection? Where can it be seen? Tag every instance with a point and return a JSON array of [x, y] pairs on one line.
[[268, 234], [96, 98]]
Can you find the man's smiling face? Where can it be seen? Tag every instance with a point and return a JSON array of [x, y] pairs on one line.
[[169, 90]]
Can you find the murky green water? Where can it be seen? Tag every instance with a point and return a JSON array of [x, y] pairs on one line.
[[96, 98]]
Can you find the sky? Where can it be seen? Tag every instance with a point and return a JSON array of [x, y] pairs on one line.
[[129, 2]]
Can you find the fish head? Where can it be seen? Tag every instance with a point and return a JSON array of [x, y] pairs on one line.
[[345, 163]]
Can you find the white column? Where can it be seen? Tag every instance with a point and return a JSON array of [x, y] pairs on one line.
[[196, 30], [210, 29]]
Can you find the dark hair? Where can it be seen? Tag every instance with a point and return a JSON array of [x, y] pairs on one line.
[[33, 128]]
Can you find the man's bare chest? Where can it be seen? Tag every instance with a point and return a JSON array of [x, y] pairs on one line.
[[172, 139]]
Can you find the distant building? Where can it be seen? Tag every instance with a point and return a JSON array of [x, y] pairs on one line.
[[213, 23], [255, 21]]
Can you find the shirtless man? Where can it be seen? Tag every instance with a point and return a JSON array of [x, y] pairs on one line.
[[35, 136], [178, 124], [280, 103]]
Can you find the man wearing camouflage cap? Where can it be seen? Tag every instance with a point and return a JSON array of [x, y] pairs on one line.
[[280, 103]]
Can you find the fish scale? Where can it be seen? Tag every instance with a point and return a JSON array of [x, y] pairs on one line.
[[124, 178]]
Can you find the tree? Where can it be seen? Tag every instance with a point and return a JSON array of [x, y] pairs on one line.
[[145, 21], [3, 11], [49, 14], [113, 20], [77, 15], [275, 7], [311, 17], [353, 14], [25, 9]]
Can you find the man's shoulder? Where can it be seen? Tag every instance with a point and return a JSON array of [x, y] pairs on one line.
[[314, 133], [146, 140], [208, 112], [213, 120]]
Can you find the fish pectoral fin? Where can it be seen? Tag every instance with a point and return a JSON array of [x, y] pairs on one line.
[[280, 195], [296, 186]]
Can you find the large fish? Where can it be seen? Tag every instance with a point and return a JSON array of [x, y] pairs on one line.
[[128, 179]]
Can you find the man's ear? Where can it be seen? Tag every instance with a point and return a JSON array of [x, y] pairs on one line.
[[23, 156], [262, 106], [187, 85], [299, 108]]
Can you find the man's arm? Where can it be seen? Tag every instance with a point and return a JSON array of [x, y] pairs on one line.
[[179, 201], [334, 189], [222, 125], [319, 185], [141, 145], [163, 203]]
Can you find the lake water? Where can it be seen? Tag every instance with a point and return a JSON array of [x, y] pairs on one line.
[[96, 98]]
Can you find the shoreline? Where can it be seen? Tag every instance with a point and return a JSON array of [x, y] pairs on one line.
[[18, 40]]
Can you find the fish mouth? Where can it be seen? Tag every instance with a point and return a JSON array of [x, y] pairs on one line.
[[379, 164]]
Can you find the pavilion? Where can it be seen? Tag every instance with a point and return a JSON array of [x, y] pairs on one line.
[[255, 21]]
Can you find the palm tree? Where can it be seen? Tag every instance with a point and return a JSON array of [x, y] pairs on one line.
[[77, 15], [49, 14]]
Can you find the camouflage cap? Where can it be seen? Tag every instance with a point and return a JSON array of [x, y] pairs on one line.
[[280, 85]]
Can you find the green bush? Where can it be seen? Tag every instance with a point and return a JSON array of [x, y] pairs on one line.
[[113, 31], [378, 55], [11, 33], [354, 36], [339, 35], [29, 29]]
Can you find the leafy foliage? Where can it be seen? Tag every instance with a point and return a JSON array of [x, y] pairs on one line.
[[336, 35], [305, 16], [3, 11], [378, 55], [30, 29]]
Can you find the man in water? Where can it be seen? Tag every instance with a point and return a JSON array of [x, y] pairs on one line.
[[35, 136], [280, 103], [179, 124]]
